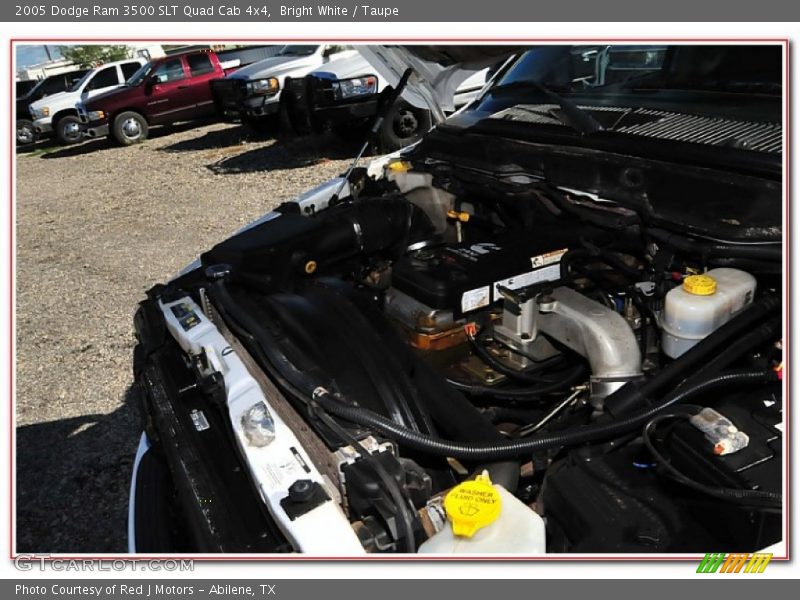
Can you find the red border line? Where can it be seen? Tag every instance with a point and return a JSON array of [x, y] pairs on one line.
[[384, 558]]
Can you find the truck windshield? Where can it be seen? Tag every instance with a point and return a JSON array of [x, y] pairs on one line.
[[709, 79], [79, 84], [297, 50], [140, 75]]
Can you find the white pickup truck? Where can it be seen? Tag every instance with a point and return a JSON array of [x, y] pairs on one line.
[[345, 95], [254, 92], [58, 113]]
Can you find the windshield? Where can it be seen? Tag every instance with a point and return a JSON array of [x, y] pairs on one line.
[[33, 90], [139, 76], [297, 50], [708, 79], [79, 84]]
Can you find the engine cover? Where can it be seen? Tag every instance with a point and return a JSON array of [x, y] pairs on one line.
[[463, 277]]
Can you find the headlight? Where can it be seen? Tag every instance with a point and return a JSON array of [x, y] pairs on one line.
[[40, 112], [358, 86], [263, 86], [96, 115]]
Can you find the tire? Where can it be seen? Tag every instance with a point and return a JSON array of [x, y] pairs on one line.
[[129, 128], [404, 125], [68, 130], [26, 134]]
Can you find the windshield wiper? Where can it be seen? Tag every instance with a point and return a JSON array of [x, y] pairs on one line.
[[571, 114]]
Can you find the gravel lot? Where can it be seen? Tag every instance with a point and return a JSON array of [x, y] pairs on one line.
[[97, 226]]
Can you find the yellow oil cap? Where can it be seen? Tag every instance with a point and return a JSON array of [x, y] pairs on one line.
[[700, 285], [472, 505]]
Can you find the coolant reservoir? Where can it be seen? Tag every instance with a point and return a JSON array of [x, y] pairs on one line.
[[702, 304], [486, 519]]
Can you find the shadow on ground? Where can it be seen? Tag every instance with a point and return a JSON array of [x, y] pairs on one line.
[[287, 152], [104, 143], [72, 482]]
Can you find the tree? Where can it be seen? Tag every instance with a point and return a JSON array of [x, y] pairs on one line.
[[95, 54]]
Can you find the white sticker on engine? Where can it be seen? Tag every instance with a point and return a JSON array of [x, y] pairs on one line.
[[475, 299], [550, 273], [548, 258]]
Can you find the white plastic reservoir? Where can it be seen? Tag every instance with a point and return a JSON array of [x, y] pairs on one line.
[[702, 304], [487, 519]]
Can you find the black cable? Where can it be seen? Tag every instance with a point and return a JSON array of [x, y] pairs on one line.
[[709, 250], [764, 333], [522, 376], [530, 393], [739, 496], [635, 394], [389, 483], [300, 387], [508, 449]]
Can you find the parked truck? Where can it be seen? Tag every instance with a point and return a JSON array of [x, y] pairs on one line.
[[26, 133], [58, 113], [166, 90], [253, 94], [346, 94]]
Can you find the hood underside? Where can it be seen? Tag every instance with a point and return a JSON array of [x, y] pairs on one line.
[[438, 70]]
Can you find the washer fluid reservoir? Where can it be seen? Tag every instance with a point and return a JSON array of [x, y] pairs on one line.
[[486, 519]]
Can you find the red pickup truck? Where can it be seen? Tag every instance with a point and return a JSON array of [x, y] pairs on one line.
[[166, 90]]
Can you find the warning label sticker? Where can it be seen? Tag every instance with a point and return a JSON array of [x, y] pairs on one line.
[[475, 299], [551, 273]]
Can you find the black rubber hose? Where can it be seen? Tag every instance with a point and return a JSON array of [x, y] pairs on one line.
[[390, 485], [737, 495], [764, 333], [636, 393], [516, 448], [711, 250]]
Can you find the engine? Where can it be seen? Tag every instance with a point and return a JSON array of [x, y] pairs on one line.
[[490, 373]]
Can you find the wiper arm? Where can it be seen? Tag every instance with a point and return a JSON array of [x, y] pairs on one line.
[[571, 115]]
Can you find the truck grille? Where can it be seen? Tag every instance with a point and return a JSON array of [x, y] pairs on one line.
[[228, 93]]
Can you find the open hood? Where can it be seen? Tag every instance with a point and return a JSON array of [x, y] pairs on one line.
[[439, 70]]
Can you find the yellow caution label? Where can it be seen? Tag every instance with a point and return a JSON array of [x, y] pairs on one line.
[[472, 505], [700, 285]]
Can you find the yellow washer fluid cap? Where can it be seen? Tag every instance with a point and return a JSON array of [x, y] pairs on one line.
[[700, 285], [472, 505]]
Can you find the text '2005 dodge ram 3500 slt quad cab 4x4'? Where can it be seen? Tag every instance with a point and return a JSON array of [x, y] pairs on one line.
[[553, 325], [167, 90]]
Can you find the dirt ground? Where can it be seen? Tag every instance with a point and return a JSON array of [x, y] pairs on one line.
[[97, 225]]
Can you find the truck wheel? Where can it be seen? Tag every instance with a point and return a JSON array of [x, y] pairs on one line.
[[68, 130], [26, 134], [404, 125], [130, 128]]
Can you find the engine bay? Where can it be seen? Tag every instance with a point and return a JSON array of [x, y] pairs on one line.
[[474, 370]]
